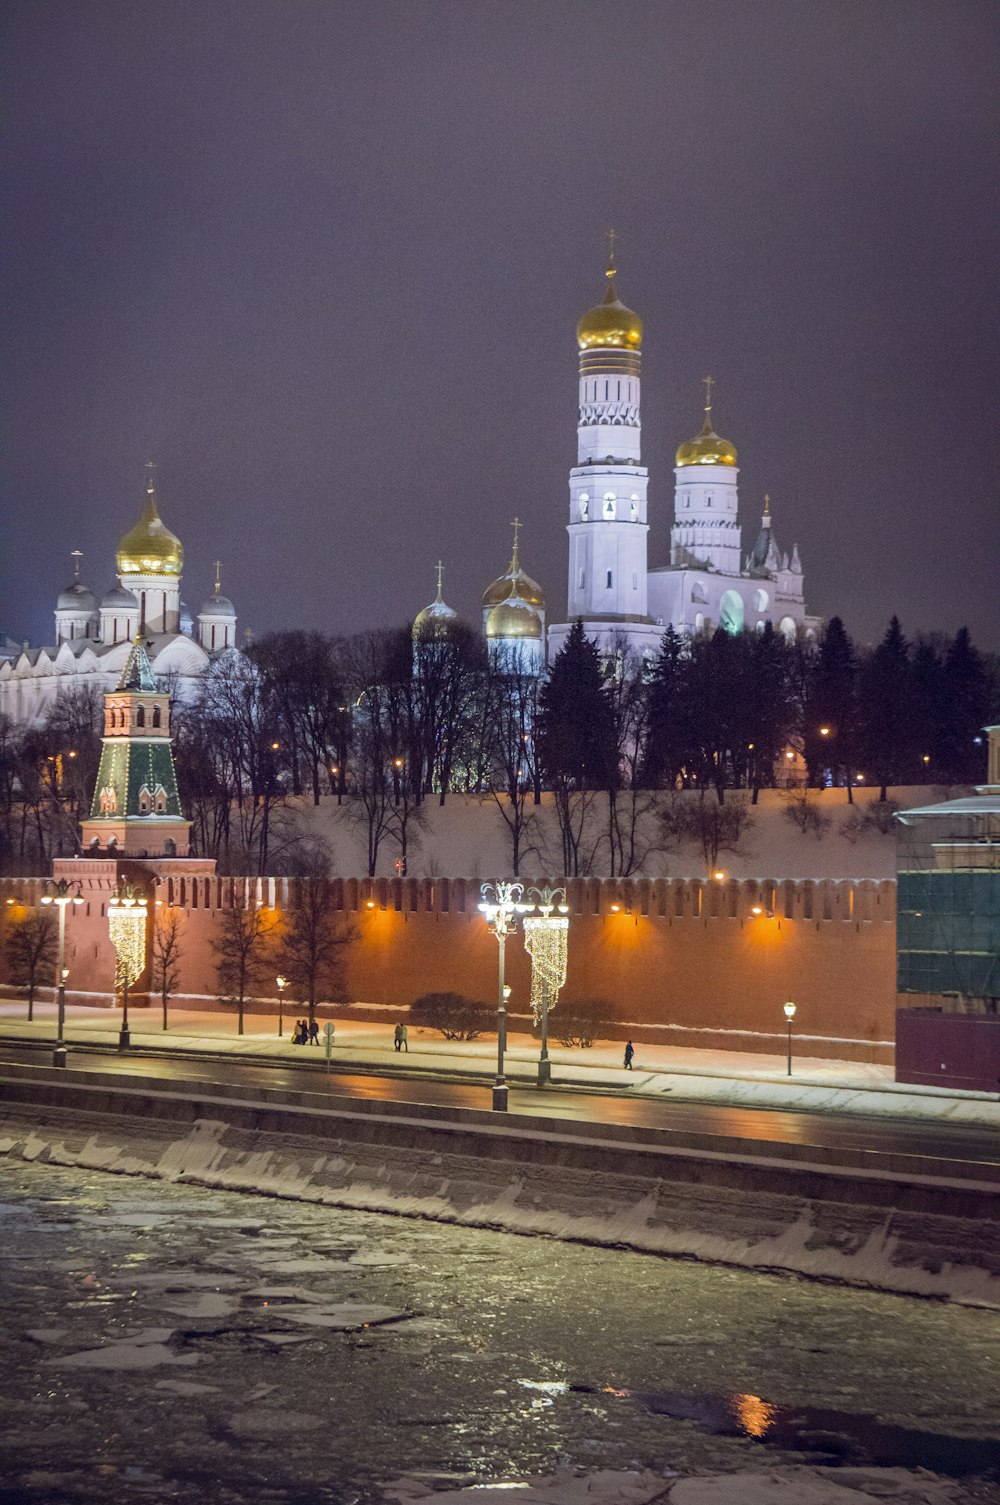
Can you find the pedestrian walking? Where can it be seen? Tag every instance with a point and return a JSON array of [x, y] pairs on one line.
[[629, 1053], [397, 1038], [404, 1038], [313, 1032]]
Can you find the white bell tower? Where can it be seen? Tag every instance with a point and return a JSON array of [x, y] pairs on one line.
[[607, 486]]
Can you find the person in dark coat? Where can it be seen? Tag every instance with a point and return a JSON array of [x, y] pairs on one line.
[[629, 1053], [314, 1032], [397, 1038]]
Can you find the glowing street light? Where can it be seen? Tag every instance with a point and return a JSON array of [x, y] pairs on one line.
[[61, 894], [500, 906], [282, 985], [789, 1010], [546, 939], [127, 911]]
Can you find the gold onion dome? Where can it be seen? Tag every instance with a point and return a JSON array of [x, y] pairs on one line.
[[437, 617], [610, 325], [514, 583], [708, 447], [150, 548], [514, 618]]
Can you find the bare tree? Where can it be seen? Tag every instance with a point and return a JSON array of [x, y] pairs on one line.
[[314, 937], [240, 949], [245, 746], [31, 953], [167, 953], [715, 827], [511, 695]]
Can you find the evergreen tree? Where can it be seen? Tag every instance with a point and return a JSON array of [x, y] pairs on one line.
[[575, 738], [831, 701], [885, 699], [965, 708], [574, 731], [771, 707], [666, 733]]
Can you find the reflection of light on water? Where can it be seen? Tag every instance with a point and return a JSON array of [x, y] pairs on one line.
[[754, 1415], [610, 1390], [521, 1484]]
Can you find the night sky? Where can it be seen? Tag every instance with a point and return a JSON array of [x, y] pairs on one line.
[[323, 262]]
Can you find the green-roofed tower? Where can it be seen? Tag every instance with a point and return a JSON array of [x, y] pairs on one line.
[[136, 809]]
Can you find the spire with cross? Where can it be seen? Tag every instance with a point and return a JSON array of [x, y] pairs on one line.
[[76, 556], [218, 576], [517, 525], [440, 574]]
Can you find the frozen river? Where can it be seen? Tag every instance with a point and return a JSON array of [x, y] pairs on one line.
[[164, 1343]]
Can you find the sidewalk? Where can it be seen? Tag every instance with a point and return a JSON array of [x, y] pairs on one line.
[[736, 1079]]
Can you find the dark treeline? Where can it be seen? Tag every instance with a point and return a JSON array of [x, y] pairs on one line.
[[384, 724]]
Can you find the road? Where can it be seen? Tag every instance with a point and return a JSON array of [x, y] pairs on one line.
[[971, 1152]]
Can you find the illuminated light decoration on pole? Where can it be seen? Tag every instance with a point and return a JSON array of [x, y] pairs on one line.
[[127, 911], [282, 983], [500, 905], [790, 1011], [61, 894], [546, 940]]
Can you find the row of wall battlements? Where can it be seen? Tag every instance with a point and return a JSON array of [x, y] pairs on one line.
[[834, 901]]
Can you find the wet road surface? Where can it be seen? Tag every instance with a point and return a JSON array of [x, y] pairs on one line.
[[971, 1151]]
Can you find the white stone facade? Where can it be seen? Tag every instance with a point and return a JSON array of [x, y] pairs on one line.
[[710, 581]]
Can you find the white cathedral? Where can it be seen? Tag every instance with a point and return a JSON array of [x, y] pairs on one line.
[[92, 642], [709, 583]]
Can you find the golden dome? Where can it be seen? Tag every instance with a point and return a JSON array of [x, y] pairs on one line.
[[513, 618], [708, 447], [434, 620], [150, 548], [610, 323], [514, 583]]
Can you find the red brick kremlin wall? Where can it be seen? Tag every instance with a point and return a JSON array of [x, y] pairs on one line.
[[680, 961]]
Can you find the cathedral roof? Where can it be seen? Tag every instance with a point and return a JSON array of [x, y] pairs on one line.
[[150, 548], [513, 618], [76, 597], [436, 617], [217, 606], [707, 447], [609, 323], [118, 595], [514, 583]]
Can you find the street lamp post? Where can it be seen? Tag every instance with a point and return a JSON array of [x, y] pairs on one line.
[[789, 1008], [501, 904], [61, 894], [282, 985]]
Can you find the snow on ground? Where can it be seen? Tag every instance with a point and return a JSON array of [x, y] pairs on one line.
[[466, 837], [715, 1076], [827, 1238]]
